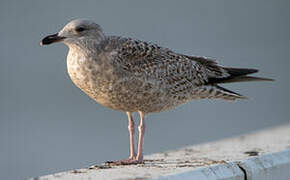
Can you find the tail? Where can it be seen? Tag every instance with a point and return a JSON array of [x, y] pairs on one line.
[[238, 75], [215, 91], [228, 95], [235, 75]]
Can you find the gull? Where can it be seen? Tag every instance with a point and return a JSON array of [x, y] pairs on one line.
[[130, 75]]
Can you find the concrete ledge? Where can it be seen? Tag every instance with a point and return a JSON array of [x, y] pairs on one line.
[[229, 171], [262, 155], [268, 167]]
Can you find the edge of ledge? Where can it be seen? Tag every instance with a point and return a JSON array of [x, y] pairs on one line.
[[264, 167], [263, 155], [269, 166], [229, 171]]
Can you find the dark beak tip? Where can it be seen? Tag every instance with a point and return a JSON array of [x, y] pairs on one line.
[[51, 39]]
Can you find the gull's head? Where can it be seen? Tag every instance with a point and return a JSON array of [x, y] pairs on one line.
[[76, 31]]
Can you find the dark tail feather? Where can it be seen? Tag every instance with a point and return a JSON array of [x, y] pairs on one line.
[[245, 79], [238, 75], [234, 72]]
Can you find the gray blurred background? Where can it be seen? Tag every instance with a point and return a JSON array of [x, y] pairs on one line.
[[48, 125]]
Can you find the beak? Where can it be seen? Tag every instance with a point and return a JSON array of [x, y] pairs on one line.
[[51, 39]]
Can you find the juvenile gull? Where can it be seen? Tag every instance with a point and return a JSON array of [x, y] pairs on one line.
[[135, 76]]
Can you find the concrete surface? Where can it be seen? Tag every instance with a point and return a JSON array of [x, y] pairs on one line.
[[268, 167], [262, 155]]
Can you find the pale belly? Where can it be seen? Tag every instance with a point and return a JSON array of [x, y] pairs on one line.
[[120, 92], [127, 95]]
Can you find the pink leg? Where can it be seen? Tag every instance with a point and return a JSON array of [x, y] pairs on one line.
[[132, 159], [141, 129], [131, 128]]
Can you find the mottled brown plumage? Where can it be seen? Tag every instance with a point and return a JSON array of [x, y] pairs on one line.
[[135, 76]]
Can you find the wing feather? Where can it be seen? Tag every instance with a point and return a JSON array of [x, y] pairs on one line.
[[147, 59]]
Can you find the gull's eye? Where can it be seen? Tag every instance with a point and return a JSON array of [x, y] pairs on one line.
[[80, 29]]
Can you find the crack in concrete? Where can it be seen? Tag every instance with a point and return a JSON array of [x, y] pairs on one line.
[[243, 170]]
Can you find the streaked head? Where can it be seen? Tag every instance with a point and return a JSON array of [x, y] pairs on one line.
[[75, 31]]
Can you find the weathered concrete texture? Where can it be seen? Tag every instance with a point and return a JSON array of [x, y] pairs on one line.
[[268, 167], [262, 155], [228, 171]]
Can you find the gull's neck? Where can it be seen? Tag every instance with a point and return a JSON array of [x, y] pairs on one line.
[[85, 44]]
